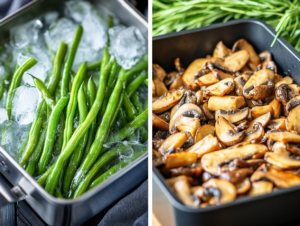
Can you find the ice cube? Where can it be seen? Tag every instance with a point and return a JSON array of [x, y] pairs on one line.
[[25, 34], [62, 30], [3, 115], [127, 44], [51, 17], [77, 10], [24, 104]]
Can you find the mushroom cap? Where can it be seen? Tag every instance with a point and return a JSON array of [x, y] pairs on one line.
[[188, 77], [166, 101]]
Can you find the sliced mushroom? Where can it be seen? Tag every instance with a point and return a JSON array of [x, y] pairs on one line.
[[236, 176], [193, 170], [284, 93], [187, 124], [206, 145], [225, 103], [265, 55], [260, 188], [184, 110], [220, 190], [252, 163], [256, 134], [294, 102], [286, 80], [158, 72], [277, 124], [233, 116], [208, 114], [280, 178], [204, 131], [263, 120], [221, 50], [153, 89], [176, 140], [275, 104], [166, 101], [170, 78], [243, 186], [157, 122], [177, 83], [207, 80], [283, 136], [220, 88], [179, 159], [239, 83], [226, 133], [160, 87], [199, 97], [261, 110], [173, 110], [188, 77], [260, 85], [295, 87], [253, 57], [220, 75], [293, 120]]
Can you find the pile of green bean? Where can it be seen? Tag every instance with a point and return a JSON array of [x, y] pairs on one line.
[[78, 159]]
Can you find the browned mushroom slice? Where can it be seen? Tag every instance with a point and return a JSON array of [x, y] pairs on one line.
[[206, 145], [236, 176], [187, 124], [206, 80], [221, 50], [253, 57], [176, 140], [158, 72], [225, 103], [263, 120], [233, 116], [198, 191], [185, 110], [208, 114], [177, 83], [283, 136], [294, 102], [166, 101], [204, 131], [280, 178], [284, 93], [286, 80], [295, 87], [265, 55], [220, 75], [277, 124], [199, 97], [256, 134], [180, 159], [243, 186], [293, 120], [193, 69], [220, 88], [171, 77], [221, 191], [193, 170], [239, 83], [275, 104], [226, 133], [211, 162], [261, 110], [252, 163], [173, 110], [260, 188], [160, 87], [159, 123], [260, 85]]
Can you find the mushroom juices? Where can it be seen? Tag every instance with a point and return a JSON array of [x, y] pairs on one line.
[[225, 127]]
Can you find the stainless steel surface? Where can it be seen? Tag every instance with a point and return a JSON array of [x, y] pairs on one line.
[[55, 211]]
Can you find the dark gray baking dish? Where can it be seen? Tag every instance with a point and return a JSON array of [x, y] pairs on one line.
[[277, 208], [52, 210]]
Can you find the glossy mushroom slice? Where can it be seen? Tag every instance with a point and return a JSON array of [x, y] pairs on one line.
[[240, 82], [199, 97], [212, 162], [294, 102], [277, 124], [284, 93], [263, 120], [275, 104], [160, 88], [177, 83], [251, 164], [193, 170], [204, 146], [157, 122], [204, 131], [280, 178], [193, 69], [166, 101], [208, 114], [185, 110], [207, 80], [243, 186], [260, 188], [221, 191], [176, 140], [256, 135], [180, 159], [283, 136], [158, 72], [260, 85], [293, 120], [226, 103], [233, 116], [187, 124], [226, 132], [253, 57], [286, 80], [236, 176], [220, 88], [261, 110], [221, 50]]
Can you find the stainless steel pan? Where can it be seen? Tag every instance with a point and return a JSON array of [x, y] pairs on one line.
[[52, 210]]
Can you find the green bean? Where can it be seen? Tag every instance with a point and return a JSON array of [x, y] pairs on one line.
[[101, 135], [91, 91], [146, 82], [93, 66], [59, 194], [122, 116], [118, 106], [137, 104], [60, 139], [44, 91], [51, 131], [140, 66], [69, 61], [135, 84], [71, 109], [2, 89], [77, 155], [37, 123], [114, 170], [43, 178], [15, 82], [99, 165], [22, 147], [37, 153], [81, 130]]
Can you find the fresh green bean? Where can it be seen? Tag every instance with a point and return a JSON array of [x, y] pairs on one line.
[[118, 106], [140, 66], [137, 104], [58, 194], [93, 66], [44, 91], [16, 80], [77, 155], [51, 131], [71, 109], [82, 129], [122, 116], [135, 84], [146, 82], [22, 147], [2, 89], [60, 139], [37, 153], [69, 61], [99, 165]]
